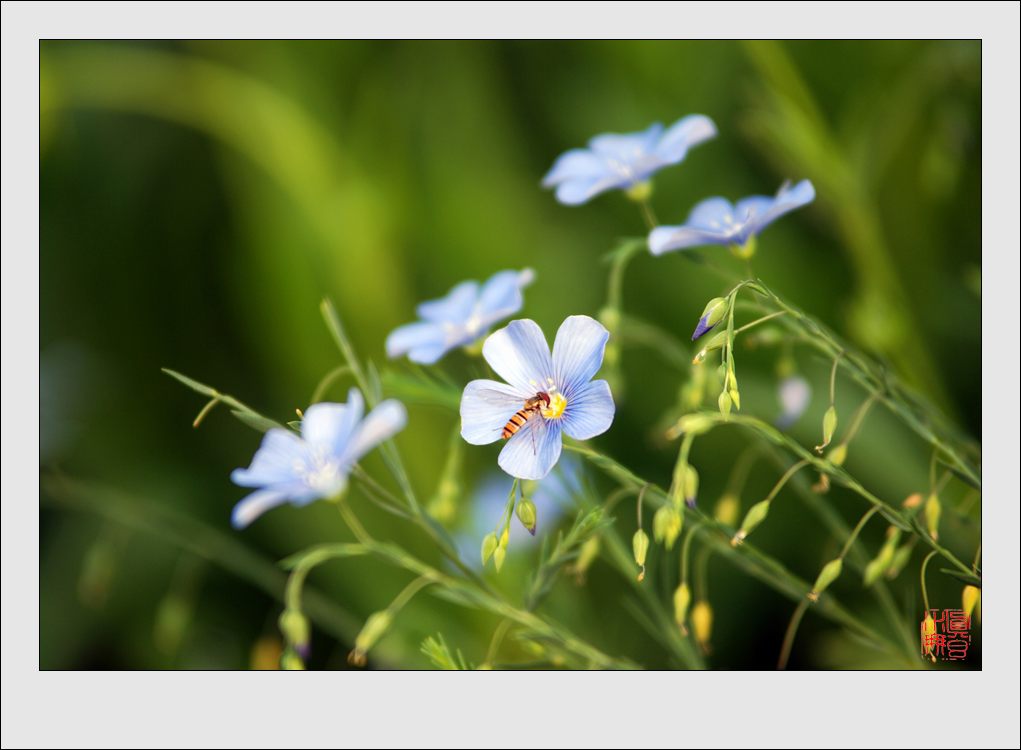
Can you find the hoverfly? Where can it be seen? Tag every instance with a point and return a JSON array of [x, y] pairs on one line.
[[532, 407]]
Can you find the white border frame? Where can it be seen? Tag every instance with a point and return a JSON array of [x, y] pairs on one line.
[[431, 709]]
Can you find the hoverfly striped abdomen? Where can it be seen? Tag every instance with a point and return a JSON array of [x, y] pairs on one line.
[[532, 406]]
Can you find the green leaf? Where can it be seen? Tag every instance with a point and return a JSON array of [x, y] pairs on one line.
[[195, 385], [963, 577], [255, 421]]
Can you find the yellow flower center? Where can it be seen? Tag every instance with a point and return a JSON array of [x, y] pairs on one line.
[[557, 404]]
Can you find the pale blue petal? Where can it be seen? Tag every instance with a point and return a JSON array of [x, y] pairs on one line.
[[275, 461], [532, 451], [501, 294], [576, 192], [713, 214], [578, 163], [430, 354], [332, 424], [787, 199], [414, 336], [578, 352], [382, 423], [454, 308], [519, 354], [625, 148], [486, 405], [590, 411], [664, 239], [682, 135], [253, 506]]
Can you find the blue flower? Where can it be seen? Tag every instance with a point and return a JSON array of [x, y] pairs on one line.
[[795, 394], [570, 400], [554, 497], [289, 468], [715, 221], [623, 161], [462, 317]]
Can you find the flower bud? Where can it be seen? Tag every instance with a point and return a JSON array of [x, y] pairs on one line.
[[586, 556], [829, 573], [715, 342], [755, 515], [374, 628], [928, 630], [899, 560], [682, 598], [711, 315], [690, 485], [640, 546], [489, 545], [933, 510], [702, 623], [838, 455], [971, 596], [666, 525], [290, 660], [691, 424], [499, 555], [724, 402], [295, 629], [912, 501], [735, 395], [726, 510], [829, 426], [526, 514]]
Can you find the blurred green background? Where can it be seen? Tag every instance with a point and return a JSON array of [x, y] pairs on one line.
[[198, 200]]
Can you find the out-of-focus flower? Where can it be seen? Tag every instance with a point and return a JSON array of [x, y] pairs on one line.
[[547, 395], [795, 394], [289, 468], [624, 160], [715, 221], [459, 319], [553, 497]]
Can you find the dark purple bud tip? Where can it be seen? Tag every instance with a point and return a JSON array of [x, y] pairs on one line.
[[703, 327], [531, 530], [304, 650], [690, 502]]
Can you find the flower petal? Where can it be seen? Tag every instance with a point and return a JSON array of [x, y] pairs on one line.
[[253, 506], [666, 239], [533, 450], [274, 462], [501, 295], [486, 405], [519, 354], [682, 135], [714, 214], [578, 352], [332, 424], [787, 199], [574, 192], [626, 148], [590, 411], [578, 163], [420, 337], [382, 423], [454, 308]]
